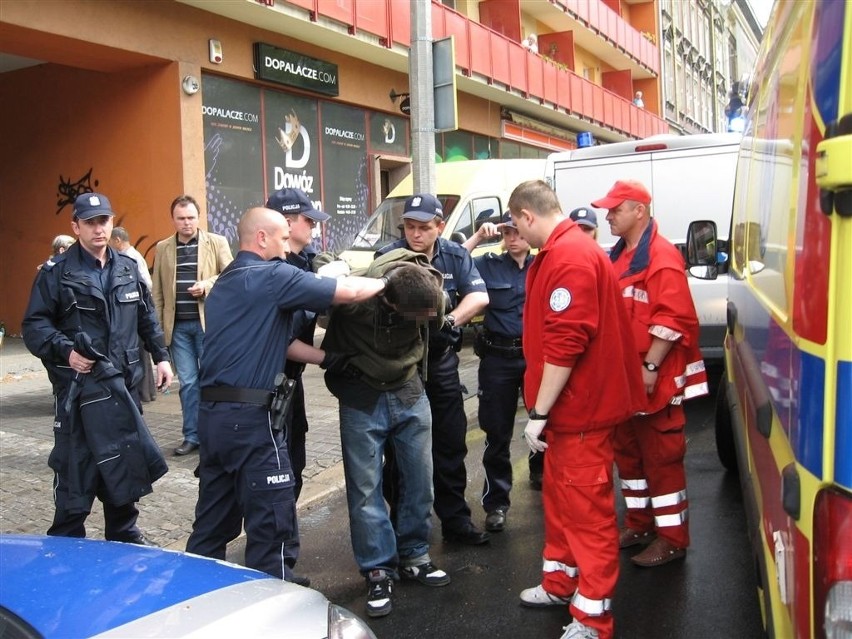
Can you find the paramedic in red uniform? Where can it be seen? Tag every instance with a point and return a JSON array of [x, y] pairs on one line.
[[649, 448], [576, 337]]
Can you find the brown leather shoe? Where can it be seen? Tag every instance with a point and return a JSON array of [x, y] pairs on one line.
[[628, 537], [659, 552]]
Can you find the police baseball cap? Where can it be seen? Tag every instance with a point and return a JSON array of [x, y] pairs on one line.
[[294, 201], [584, 217], [624, 190], [507, 220], [89, 205], [422, 208]]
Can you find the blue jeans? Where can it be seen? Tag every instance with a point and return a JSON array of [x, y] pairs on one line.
[[363, 436], [186, 349]]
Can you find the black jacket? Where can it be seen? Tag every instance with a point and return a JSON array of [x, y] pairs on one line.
[[65, 301]]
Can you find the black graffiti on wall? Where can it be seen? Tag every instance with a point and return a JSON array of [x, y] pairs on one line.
[[68, 190]]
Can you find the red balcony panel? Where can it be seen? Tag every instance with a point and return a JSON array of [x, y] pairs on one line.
[[456, 25], [340, 10], [571, 5], [400, 12], [617, 109], [594, 14], [621, 34], [576, 88], [598, 103], [500, 58], [582, 10], [372, 17], [310, 5], [480, 49], [551, 78], [438, 27], [612, 21], [518, 67], [634, 120], [608, 108], [535, 75], [642, 122], [588, 98]]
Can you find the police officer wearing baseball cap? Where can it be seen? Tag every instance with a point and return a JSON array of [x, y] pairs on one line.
[[587, 220], [302, 217], [501, 367], [94, 290], [423, 222]]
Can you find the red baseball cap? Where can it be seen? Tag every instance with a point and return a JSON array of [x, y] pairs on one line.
[[624, 190]]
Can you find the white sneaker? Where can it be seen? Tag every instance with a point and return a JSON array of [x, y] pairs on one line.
[[576, 630], [538, 597]]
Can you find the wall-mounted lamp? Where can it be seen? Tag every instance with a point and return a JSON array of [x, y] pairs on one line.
[[394, 95], [190, 85]]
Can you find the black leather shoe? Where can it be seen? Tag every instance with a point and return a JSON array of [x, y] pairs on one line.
[[495, 521], [470, 536], [186, 448], [141, 540]]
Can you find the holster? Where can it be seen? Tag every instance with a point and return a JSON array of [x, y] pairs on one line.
[[282, 398]]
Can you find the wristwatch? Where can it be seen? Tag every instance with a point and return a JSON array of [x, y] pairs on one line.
[[651, 366], [450, 319], [535, 415]]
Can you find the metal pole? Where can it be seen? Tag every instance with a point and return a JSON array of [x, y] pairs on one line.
[[422, 98]]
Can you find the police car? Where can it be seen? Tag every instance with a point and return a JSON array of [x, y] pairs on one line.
[[64, 587]]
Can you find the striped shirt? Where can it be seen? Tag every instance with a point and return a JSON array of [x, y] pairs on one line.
[[186, 274]]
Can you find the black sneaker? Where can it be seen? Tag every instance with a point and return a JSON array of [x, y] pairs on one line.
[[427, 574], [379, 592]]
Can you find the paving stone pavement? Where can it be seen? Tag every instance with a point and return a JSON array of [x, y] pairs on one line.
[[26, 438]]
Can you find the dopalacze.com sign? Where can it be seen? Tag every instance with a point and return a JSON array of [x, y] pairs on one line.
[[294, 69]]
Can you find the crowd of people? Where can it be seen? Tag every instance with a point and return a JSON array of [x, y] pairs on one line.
[[602, 348]]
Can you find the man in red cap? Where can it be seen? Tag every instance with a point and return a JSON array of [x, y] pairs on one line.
[[649, 448]]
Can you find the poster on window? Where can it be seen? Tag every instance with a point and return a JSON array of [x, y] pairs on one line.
[[232, 153], [345, 193], [292, 147]]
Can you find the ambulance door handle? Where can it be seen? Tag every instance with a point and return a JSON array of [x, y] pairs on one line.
[[732, 317], [791, 491], [833, 167], [759, 395]]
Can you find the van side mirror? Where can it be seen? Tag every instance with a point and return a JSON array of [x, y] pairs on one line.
[[701, 257], [458, 237]]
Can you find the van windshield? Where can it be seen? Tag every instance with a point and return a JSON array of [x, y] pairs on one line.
[[385, 225]]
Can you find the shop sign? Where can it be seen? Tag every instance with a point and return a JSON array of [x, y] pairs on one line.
[[294, 69]]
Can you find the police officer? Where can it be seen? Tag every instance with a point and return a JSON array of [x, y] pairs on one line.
[[91, 289], [423, 222], [244, 469], [302, 217], [501, 365]]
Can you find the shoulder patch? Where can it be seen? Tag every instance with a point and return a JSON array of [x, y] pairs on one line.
[[560, 299]]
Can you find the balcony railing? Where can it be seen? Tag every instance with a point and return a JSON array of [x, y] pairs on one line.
[[481, 52]]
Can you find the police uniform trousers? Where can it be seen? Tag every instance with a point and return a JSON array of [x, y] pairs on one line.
[[580, 558], [245, 476], [500, 381], [649, 452], [297, 429]]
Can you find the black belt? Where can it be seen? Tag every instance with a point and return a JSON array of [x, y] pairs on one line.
[[493, 339], [237, 395]]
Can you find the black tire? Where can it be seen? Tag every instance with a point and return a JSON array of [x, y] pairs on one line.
[[725, 446]]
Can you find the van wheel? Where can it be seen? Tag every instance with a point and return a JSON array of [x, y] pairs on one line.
[[725, 447]]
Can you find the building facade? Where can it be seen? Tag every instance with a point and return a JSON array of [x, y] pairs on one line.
[[230, 100]]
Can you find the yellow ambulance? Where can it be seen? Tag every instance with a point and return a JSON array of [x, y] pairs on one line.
[[784, 411]]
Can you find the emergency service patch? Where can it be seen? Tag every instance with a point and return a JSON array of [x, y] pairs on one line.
[[560, 299], [134, 295]]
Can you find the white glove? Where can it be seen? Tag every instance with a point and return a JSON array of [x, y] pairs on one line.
[[335, 269], [531, 433]]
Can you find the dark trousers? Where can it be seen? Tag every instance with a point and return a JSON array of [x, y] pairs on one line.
[[119, 523], [500, 381], [297, 428], [244, 474]]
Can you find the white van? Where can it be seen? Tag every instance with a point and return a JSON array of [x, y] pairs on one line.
[[689, 177], [470, 191]]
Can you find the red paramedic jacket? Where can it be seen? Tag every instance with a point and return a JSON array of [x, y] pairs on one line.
[[574, 317]]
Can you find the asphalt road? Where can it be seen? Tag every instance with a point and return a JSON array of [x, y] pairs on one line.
[[710, 594]]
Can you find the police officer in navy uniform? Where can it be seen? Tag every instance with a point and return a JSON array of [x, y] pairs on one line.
[[302, 217], [423, 222], [244, 471], [501, 365], [91, 289]]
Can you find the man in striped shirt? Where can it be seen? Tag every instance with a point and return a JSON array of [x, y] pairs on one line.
[[186, 266]]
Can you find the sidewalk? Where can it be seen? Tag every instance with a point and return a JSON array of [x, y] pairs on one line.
[[26, 438]]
